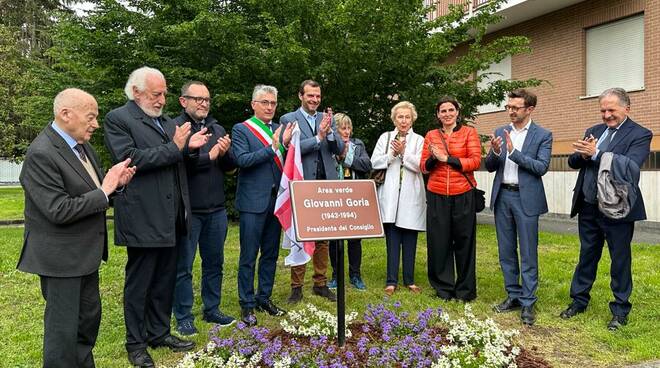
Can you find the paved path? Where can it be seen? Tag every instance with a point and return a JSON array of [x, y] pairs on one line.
[[645, 232]]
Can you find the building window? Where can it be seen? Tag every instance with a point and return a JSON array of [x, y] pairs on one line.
[[615, 56], [496, 71]]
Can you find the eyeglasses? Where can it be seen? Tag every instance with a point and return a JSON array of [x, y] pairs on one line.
[[266, 103], [199, 100], [514, 108]]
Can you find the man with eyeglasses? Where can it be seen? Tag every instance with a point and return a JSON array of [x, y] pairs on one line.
[[257, 151], [205, 171], [318, 144], [152, 217], [520, 155]]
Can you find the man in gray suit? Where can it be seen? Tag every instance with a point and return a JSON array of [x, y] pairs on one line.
[[520, 153], [152, 218], [317, 146], [66, 196]]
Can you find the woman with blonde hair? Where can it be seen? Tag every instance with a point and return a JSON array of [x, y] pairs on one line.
[[401, 196]]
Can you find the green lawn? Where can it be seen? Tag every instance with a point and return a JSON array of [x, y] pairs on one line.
[[583, 340], [11, 203]]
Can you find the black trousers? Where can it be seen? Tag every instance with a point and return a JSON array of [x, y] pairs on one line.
[[71, 320], [354, 257], [400, 243], [451, 242], [148, 295], [594, 229]]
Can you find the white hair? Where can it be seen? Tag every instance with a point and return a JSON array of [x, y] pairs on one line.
[[261, 89], [138, 79], [69, 97]]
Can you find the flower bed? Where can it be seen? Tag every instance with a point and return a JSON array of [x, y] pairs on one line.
[[386, 337]]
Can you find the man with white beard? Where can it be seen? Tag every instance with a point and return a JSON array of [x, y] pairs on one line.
[[152, 218]]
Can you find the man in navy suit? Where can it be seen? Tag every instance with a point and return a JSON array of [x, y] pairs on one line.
[[317, 147], [520, 153], [257, 151], [620, 135]]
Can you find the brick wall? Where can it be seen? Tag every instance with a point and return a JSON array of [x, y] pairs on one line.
[[558, 56]]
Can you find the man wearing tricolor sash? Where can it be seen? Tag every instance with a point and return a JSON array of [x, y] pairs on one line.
[[257, 151], [317, 147]]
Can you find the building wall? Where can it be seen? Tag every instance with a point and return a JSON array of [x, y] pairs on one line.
[[559, 191], [558, 56]]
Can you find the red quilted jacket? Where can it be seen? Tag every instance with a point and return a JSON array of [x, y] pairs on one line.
[[463, 144]]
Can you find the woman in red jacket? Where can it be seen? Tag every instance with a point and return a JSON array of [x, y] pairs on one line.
[[450, 155]]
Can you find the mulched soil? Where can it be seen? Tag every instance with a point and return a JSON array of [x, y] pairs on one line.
[[526, 359]]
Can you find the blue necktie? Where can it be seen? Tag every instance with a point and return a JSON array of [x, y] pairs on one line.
[[157, 121]]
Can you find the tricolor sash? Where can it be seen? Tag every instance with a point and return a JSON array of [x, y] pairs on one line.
[[265, 136]]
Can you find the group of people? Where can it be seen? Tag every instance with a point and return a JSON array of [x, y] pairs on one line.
[[167, 188]]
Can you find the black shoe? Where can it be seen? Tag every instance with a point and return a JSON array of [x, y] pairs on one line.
[[571, 311], [325, 292], [270, 308], [507, 306], [527, 315], [248, 317], [296, 295], [617, 322], [140, 358], [175, 344]]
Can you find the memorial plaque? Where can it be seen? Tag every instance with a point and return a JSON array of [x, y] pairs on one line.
[[335, 209]]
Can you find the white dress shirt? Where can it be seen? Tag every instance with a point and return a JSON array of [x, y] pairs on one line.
[[517, 139]]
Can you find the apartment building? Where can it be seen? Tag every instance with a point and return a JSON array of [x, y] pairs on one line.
[[580, 48]]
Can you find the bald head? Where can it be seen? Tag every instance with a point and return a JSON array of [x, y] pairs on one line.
[[70, 98], [76, 112]]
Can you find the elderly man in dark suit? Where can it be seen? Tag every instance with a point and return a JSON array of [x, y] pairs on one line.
[[257, 151], [152, 217], [66, 196], [520, 154], [620, 135], [318, 144]]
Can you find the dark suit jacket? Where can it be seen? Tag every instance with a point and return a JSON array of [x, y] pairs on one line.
[[145, 215], [65, 231], [258, 174], [309, 148], [631, 140], [361, 165], [533, 161]]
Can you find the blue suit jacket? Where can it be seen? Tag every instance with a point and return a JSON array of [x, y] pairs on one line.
[[533, 161], [309, 148], [631, 140], [258, 174]]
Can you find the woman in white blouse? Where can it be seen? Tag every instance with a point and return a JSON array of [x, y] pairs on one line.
[[401, 196]]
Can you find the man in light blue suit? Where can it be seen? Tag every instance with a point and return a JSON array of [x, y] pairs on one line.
[[318, 144], [520, 154], [257, 151]]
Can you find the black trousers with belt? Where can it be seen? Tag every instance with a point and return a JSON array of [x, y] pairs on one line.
[[71, 320], [451, 245]]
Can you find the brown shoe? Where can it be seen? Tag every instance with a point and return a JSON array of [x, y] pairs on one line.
[[414, 289], [390, 289]]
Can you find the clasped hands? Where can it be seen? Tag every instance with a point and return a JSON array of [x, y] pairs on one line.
[[496, 143], [118, 176], [586, 147], [182, 132], [286, 136]]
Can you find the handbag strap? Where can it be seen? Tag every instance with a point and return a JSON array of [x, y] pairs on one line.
[[447, 149], [387, 145]]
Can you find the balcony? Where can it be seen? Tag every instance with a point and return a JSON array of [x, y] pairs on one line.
[[513, 11]]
